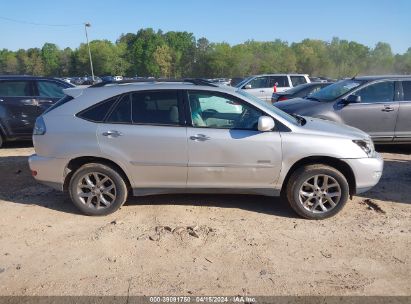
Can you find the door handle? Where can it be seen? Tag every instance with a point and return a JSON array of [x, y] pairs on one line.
[[199, 137], [30, 102], [262, 91], [387, 109], [112, 133], [1, 100]]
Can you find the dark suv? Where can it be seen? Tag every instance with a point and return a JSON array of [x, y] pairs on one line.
[[378, 105], [22, 100]]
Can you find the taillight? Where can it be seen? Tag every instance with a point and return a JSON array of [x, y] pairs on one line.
[[282, 98], [39, 126]]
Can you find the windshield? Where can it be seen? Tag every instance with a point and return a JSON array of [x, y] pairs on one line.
[[269, 107], [239, 85], [336, 90]]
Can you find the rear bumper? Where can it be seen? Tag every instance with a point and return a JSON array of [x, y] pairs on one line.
[[367, 172], [49, 170]]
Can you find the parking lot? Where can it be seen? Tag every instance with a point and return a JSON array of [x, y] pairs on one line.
[[203, 244]]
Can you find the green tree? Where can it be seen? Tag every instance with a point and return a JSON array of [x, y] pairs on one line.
[[163, 59], [50, 55]]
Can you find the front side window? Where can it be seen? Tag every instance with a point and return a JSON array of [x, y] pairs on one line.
[[157, 108], [258, 83], [15, 88], [377, 92], [297, 80], [50, 89], [213, 110]]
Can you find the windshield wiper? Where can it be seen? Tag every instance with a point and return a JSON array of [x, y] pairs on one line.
[[312, 98], [301, 120]]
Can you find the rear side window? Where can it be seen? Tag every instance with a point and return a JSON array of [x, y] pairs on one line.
[[15, 88], [406, 87], [50, 89], [98, 112], [281, 81], [297, 80], [158, 108]]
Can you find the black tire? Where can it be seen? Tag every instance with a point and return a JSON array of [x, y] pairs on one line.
[[94, 205], [2, 141], [304, 174]]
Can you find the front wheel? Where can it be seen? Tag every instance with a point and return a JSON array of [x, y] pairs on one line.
[[97, 189], [317, 191]]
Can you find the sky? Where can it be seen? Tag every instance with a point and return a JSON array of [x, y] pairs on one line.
[[232, 21]]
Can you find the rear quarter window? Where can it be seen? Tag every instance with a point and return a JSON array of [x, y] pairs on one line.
[[97, 112], [296, 80]]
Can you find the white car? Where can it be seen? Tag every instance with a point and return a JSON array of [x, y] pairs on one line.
[[262, 86]]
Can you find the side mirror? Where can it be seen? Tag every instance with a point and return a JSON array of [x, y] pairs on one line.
[[265, 123], [353, 99], [247, 86]]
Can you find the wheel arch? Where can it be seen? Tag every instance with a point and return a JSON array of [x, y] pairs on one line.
[[336, 163], [75, 163]]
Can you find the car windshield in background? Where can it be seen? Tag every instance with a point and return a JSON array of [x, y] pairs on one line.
[[268, 106], [239, 85], [336, 90]]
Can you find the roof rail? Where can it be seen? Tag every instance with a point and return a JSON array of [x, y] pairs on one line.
[[195, 81]]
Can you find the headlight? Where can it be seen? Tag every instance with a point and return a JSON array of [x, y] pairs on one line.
[[39, 126], [366, 145]]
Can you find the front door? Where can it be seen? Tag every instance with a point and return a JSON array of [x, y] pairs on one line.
[[259, 88], [146, 132], [403, 127], [377, 112], [224, 146]]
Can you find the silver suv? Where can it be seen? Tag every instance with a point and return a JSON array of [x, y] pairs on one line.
[[108, 141]]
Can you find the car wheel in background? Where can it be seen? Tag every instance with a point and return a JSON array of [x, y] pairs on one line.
[[317, 191], [97, 189]]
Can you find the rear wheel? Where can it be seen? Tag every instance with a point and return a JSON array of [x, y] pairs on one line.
[[317, 191], [97, 189]]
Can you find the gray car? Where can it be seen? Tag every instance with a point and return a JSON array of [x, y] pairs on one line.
[[378, 105], [109, 141]]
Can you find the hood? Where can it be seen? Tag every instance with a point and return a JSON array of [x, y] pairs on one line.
[[329, 128], [297, 105]]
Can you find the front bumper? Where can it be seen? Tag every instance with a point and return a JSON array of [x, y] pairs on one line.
[[367, 171], [48, 170]]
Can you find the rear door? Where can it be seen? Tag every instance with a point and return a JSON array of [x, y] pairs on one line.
[[377, 112], [18, 106], [403, 127], [259, 88], [146, 132]]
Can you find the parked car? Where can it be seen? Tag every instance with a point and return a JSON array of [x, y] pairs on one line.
[[22, 100], [262, 86], [378, 105], [301, 90], [103, 142]]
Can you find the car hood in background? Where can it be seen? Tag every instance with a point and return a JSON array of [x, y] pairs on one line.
[[329, 128], [297, 105]]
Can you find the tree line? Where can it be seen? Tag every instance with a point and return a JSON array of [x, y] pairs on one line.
[[180, 54]]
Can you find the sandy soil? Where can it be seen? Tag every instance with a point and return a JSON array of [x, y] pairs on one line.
[[203, 244]]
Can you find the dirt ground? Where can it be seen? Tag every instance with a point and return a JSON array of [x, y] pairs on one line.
[[203, 244]]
